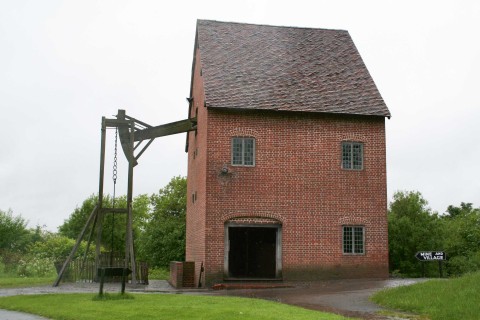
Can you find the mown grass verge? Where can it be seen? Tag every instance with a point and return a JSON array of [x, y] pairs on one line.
[[159, 274], [442, 299], [157, 306], [19, 282]]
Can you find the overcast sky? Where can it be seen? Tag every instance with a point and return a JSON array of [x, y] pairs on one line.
[[65, 64]]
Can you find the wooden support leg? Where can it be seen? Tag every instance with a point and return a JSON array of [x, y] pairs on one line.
[[84, 260], [75, 247], [100, 197], [124, 279], [102, 280]]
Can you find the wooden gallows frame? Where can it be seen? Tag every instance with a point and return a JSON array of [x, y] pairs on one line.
[[132, 133]]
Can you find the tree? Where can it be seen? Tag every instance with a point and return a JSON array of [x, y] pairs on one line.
[[14, 240], [163, 238], [13, 231], [113, 232], [462, 238], [412, 227], [158, 223], [465, 209], [72, 226]]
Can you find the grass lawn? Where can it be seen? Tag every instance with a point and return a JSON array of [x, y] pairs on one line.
[[159, 274], [156, 306], [18, 282], [457, 298]]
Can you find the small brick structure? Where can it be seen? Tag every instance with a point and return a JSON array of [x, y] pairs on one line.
[[182, 274], [301, 94]]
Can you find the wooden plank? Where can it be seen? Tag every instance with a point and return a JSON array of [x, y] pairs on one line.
[[112, 123], [166, 129], [144, 148], [114, 271]]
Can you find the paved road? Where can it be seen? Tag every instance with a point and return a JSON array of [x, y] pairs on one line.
[[13, 315], [346, 297]]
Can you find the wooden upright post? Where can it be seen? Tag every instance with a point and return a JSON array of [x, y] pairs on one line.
[[129, 248], [100, 213]]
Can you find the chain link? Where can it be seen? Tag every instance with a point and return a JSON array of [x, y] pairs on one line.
[[114, 176]]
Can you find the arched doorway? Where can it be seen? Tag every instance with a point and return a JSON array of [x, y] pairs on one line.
[[253, 250]]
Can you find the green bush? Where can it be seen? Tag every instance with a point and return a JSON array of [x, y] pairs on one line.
[[159, 274], [36, 266], [56, 248], [459, 265], [9, 260], [2, 269]]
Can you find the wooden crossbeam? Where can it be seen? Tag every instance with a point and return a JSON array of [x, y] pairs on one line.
[[166, 129]]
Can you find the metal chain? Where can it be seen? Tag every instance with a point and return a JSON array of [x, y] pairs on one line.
[[114, 177]]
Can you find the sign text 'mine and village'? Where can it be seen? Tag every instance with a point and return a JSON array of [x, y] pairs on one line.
[[431, 256]]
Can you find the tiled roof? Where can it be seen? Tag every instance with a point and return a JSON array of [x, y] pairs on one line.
[[248, 66]]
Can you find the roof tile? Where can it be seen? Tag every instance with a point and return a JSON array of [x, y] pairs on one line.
[[247, 66]]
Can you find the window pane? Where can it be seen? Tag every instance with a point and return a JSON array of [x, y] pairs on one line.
[[248, 152], [237, 151], [353, 240], [347, 240], [352, 155], [243, 151], [346, 156], [357, 156], [358, 243]]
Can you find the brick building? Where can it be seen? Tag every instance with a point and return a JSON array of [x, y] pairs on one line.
[[287, 168]]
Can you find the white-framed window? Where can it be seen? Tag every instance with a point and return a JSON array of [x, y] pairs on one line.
[[353, 240], [243, 151], [352, 155]]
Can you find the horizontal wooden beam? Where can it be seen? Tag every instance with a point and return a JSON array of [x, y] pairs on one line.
[[166, 129], [116, 122], [126, 123]]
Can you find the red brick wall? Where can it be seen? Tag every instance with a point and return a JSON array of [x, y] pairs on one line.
[[182, 274], [176, 274], [297, 180], [196, 181]]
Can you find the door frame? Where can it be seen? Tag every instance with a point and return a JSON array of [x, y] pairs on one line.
[[278, 247]]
